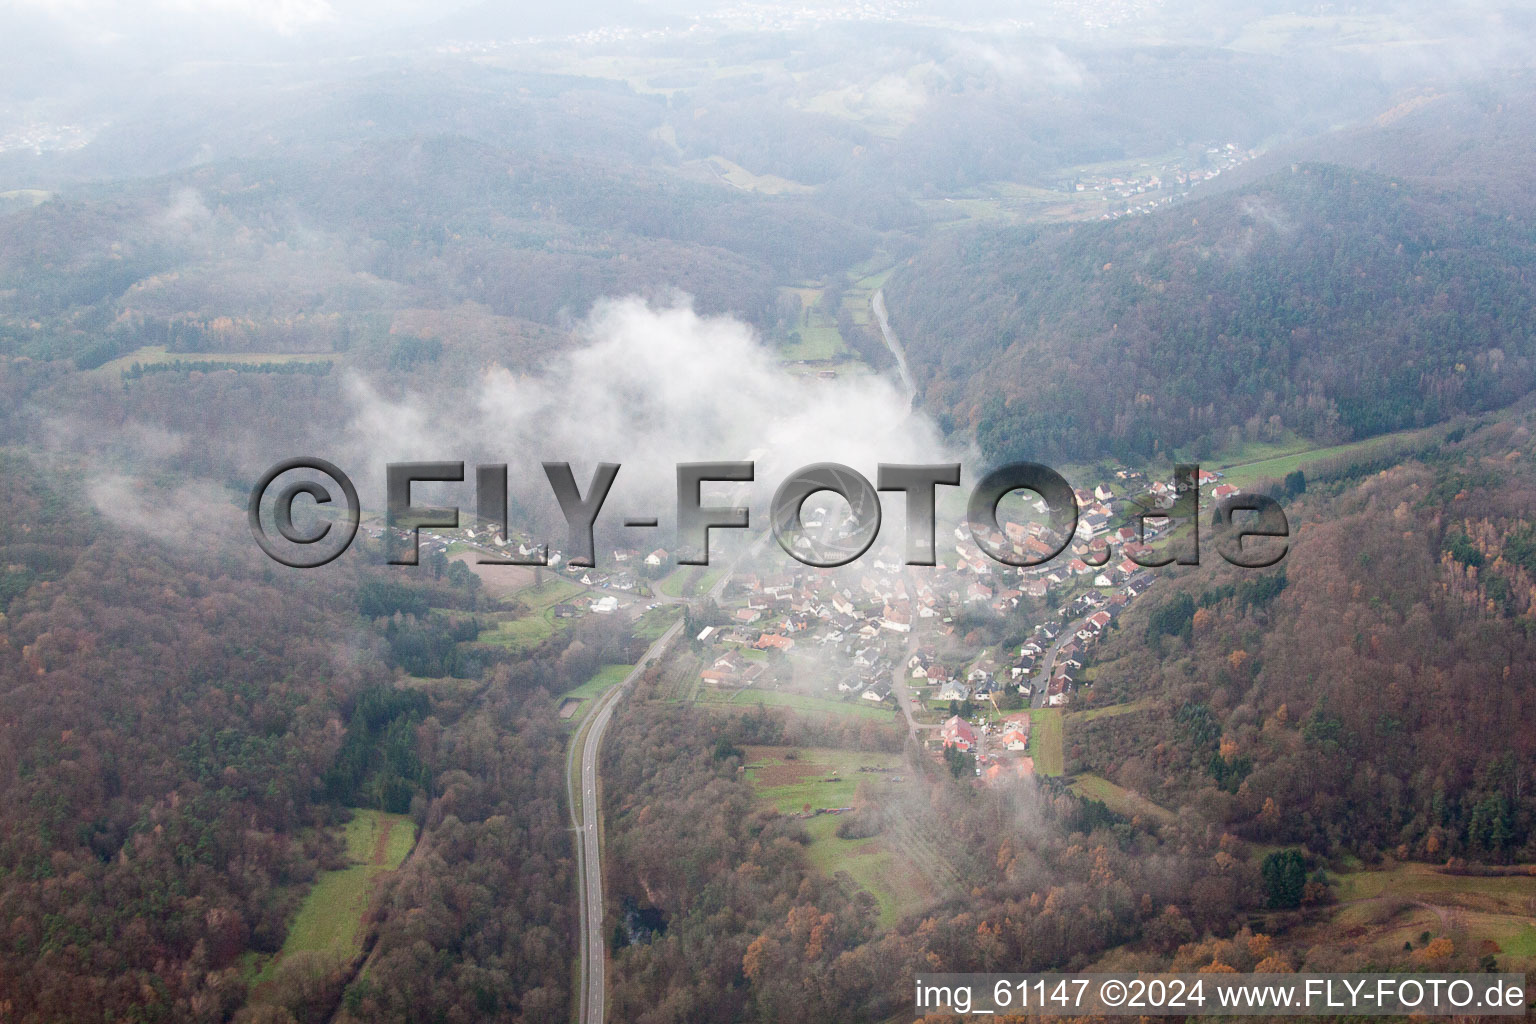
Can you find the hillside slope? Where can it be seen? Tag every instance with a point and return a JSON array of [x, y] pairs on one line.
[[1332, 302], [1366, 696]]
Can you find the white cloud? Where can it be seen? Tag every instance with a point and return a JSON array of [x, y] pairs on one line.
[[650, 388]]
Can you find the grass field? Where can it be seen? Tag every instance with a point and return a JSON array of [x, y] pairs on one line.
[[653, 623], [20, 198], [1384, 908], [737, 176], [689, 581], [329, 919], [750, 697], [791, 784], [1362, 32], [1121, 801], [529, 630], [820, 339], [520, 634], [856, 300], [158, 354], [1107, 711], [867, 862], [549, 593], [1045, 746], [608, 676], [1499, 892], [1013, 202], [1257, 460], [678, 581], [872, 863]]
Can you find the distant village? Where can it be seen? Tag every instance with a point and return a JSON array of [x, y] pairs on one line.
[[1145, 193]]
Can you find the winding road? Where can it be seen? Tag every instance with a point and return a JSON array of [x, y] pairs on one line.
[[877, 303], [585, 812]]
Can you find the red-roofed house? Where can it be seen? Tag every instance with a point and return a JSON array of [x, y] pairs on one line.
[[957, 733], [768, 640]]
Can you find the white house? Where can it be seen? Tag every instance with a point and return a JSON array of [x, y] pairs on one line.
[[954, 690]]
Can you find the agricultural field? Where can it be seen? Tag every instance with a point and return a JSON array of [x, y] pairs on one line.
[[330, 918], [1045, 746], [498, 580], [789, 779]]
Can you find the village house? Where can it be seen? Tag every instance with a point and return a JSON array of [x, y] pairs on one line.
[[957, 733], [724, 671], [954, 690], [773, 640], [876, 692]]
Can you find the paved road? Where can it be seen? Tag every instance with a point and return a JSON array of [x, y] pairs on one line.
[[589, 861], [1043, 677], [877, 303], [903, 692], [586, 820]]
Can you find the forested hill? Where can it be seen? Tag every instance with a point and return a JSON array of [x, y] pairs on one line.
[[354, 238], [1329, 301], [1366, 697]]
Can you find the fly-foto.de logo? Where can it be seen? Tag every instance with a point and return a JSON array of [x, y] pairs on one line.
[[1251, 529]]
